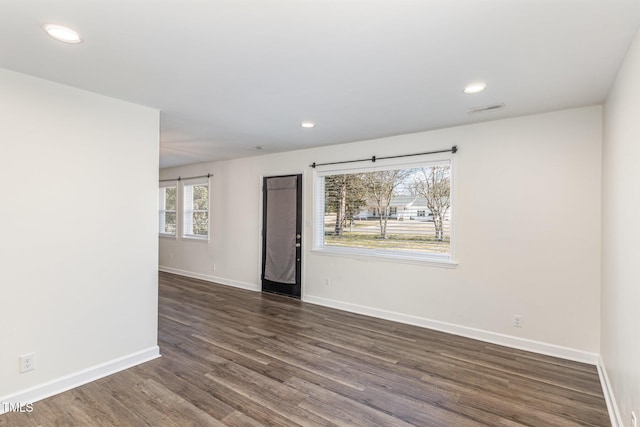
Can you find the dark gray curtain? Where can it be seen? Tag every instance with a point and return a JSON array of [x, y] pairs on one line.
[[280, 262]]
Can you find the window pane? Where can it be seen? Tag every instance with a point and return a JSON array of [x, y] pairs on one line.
[[196, 210], [200, 197], [399, 210], [169, 223], [167, 210], [170, 198], [200, 223]]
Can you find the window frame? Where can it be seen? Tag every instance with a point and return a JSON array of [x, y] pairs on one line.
[[162, 211], [184, 211], [422, 258]]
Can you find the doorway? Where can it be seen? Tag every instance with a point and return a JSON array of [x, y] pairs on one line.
[[282, 235]]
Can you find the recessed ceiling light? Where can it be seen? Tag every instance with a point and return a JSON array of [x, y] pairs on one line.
[[307, 124], [62, 34], [475, 87]]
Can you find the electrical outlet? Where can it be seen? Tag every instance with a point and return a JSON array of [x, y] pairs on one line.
[[213, 267], [634, 420], [327, 283], [27, 362], [517, 320]]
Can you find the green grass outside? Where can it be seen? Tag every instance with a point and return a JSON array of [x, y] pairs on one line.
[[404, 242]]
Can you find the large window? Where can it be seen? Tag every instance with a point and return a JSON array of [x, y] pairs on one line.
[[167, 208], [394, 211], [196, 210]]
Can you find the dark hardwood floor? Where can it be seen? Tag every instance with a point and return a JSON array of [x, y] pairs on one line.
[[239, 358]]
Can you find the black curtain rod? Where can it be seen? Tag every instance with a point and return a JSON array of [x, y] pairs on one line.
[[209, 175], [453, 150]]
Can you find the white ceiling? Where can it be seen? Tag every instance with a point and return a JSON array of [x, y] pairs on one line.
[[230, 75]]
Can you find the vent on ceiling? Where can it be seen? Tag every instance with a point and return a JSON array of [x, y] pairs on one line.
[[486, 108]]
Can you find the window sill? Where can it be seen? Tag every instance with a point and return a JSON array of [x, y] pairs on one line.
[[407, 258], [196, 238], [168, 236]]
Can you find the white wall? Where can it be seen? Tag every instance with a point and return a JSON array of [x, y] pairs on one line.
[[78, 252], [527, 207], [621, 236]]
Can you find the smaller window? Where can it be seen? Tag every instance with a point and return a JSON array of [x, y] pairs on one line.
[[196, 210], [421, 213], [167, 210]]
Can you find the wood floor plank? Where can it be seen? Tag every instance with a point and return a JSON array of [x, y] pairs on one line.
[[239, 358]]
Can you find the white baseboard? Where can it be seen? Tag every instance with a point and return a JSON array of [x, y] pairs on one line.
[[208, 278], [612, 406], [77, 379], [465, 331]]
